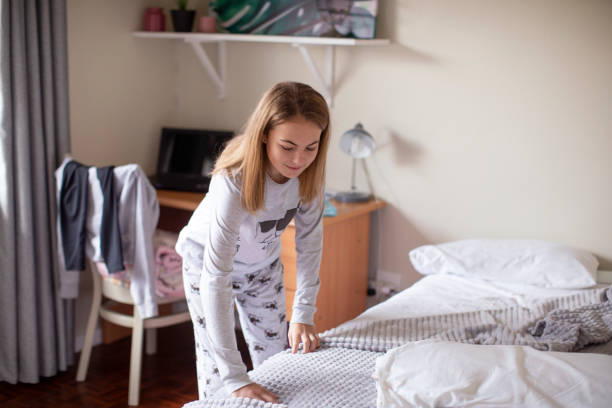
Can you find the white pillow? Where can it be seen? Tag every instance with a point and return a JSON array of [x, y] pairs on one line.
[[529, 262], [467, 375]]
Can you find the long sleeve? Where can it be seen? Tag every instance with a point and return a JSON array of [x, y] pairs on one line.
[[68, 279], [226, 217], [110, 232], [73, 214], [140, 201], [308, 245]]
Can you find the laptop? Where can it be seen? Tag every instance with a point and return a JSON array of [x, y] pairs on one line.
[[187, 157]]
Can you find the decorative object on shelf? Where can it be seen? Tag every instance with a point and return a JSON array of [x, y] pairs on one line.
[[208, 24], [358, 144], [315, 18], [182, 19], [154, 19]]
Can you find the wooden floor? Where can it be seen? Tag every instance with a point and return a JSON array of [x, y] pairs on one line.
[[168, 377]]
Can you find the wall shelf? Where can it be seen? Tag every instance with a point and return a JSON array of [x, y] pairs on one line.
[[218, 74]]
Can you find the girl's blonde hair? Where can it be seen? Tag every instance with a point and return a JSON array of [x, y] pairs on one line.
[[245, 155]]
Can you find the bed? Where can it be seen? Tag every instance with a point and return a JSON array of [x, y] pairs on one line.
[[457, 339]]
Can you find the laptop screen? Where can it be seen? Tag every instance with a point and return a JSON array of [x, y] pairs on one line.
[[190, 152]]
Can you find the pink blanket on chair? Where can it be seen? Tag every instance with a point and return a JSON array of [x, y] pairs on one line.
[[168, 268], [168, 265]]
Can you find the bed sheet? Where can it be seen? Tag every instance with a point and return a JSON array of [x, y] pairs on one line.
[[440, 294]]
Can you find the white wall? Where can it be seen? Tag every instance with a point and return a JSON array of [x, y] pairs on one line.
[[492, 118], [121, 89]]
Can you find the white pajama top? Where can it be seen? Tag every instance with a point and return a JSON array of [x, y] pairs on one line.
[[223, 238]]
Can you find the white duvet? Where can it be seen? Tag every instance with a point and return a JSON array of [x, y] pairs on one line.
[[465, 375], [462, 375]]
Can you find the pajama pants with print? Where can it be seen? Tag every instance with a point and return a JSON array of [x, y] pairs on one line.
[[260, 300]]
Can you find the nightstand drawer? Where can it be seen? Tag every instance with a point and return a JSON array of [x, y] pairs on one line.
[[320, 316], [289, 257], [289, 274], [289, 295]]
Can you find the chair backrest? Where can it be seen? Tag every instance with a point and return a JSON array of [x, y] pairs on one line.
[[136, 214]]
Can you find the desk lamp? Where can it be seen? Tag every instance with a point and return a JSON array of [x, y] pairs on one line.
[[358, 144]]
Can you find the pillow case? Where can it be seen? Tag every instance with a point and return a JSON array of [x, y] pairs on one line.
[[530, 262]]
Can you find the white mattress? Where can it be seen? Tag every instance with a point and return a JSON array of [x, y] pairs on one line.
[[438, 294]]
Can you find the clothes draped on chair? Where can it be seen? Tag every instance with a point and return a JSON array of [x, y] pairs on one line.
[[73, 205], [110, 234], [119, 196]]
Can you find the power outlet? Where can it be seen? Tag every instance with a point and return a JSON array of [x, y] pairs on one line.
[[384, 290], [387, 284], [393, 279]]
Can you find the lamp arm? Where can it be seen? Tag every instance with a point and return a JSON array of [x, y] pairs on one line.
[[353, 186]]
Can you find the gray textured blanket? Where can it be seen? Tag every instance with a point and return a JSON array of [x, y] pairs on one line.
[[339, 375], [560, 324]]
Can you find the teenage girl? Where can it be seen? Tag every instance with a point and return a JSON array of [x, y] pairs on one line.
[[270, 174]]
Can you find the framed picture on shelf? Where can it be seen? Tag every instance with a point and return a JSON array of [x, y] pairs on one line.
[[314, 18]]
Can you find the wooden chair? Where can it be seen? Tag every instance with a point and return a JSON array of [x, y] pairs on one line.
[[136, 197], [118, 293]]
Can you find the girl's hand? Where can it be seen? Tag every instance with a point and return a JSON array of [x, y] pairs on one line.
[[255, 391], [303, 333]]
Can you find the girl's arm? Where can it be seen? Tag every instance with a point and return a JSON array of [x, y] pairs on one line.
[[226, 217], [308, 245]]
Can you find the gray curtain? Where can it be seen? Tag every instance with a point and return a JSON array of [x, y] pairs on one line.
[[36, 326]]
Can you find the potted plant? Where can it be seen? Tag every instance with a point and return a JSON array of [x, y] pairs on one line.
[[182, 19]]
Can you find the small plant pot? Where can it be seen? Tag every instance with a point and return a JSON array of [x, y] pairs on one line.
[[182, 20]]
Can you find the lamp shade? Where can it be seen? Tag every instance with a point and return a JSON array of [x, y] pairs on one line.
[[357, 143]]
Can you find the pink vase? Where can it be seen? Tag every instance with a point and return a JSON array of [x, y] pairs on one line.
[[154, 19], [208, 24]]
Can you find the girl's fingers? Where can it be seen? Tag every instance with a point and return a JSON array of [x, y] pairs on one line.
[[294, 344], [267, 396], [306, 335], [307, 344], [255, 391], [315, 341]]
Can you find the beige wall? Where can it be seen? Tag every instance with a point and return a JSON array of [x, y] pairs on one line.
[[121, 89], [492, 118]]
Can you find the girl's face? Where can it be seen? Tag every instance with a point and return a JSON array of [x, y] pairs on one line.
[[291, 147]]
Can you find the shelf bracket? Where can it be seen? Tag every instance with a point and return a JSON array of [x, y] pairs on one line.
[[327, 83], [218, 77]]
